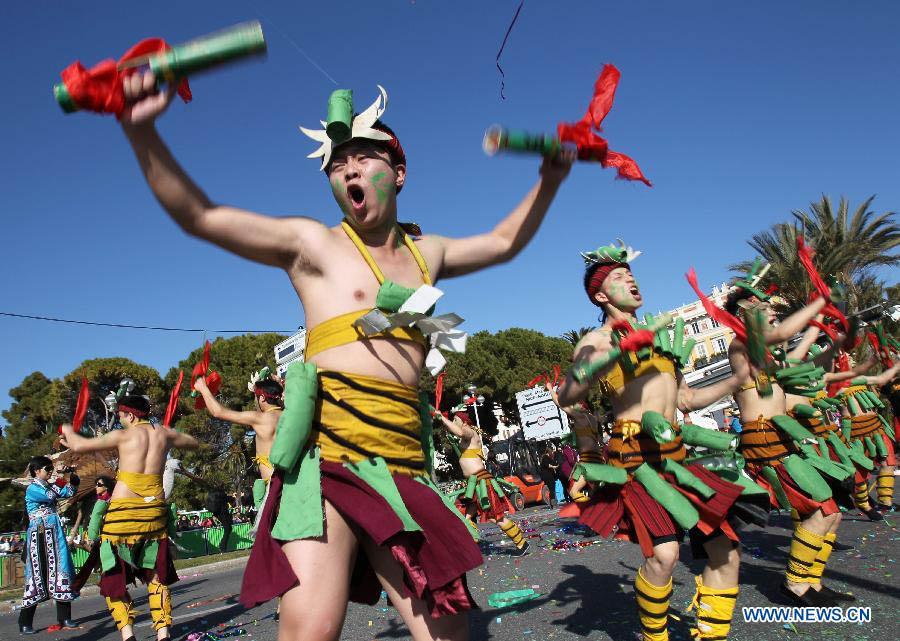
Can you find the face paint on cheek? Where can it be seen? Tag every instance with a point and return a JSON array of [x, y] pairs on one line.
[[380, 192]]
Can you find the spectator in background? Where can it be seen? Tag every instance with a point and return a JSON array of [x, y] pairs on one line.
[[548, 472], [732, 423], [4, 545], [16, 545], [568, 459]]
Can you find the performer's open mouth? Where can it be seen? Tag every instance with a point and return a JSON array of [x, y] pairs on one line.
[[357, 196], [635, 291]]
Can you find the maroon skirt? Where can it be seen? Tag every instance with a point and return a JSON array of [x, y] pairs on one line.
[[434, 560], [114, 582], [630, 513]]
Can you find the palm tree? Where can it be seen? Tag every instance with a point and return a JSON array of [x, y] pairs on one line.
[[575, 335], [848, 246]]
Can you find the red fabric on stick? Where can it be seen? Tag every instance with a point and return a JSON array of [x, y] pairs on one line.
[[715, 312], [805, 254], [582, 133], [81, 406], [173, 400], [99, 89], [439, 390]]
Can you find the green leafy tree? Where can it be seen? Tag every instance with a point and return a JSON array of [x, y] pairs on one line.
[[226, 459], [574, 335], [29, 431]]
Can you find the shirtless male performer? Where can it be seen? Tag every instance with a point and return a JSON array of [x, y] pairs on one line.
[[378, 520], [263, 421], [134, 537], [484, 501], [645, 494], [773, 449]]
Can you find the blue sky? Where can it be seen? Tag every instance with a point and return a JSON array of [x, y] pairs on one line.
[[738, 112]]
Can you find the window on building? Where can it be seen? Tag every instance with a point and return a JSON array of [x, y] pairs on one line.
[[714, 322], [695, 327], [699, 351], [720, 345]]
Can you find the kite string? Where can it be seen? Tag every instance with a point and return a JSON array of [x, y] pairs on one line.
[[508, 31], [293, 42]]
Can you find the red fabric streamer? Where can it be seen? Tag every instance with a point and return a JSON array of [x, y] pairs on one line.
[[883, 353], [829, 331], [537, 379], [81, 406], [439, 390], [99, 89], [173, 400], [842, 364], [556, 373], [717, 313], [805, 254], [583, 134], [833, 312], [213, 380]]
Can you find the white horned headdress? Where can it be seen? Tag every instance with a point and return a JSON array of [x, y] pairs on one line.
[[342, 126]]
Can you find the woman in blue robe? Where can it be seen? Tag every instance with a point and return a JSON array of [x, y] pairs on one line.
[[49, 570]]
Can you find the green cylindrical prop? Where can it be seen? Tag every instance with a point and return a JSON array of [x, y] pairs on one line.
[[497, 139], [340, 115], [805, 411], [300, 393], [236, 42], [792, 428], [806, 476], [655, 425], [239, 41]]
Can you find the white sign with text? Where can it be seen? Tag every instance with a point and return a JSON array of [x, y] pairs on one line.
[[541, 418]]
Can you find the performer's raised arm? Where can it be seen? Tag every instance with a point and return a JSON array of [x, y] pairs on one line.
[[465, 255], [77, 443], [795, 322], [690, 399], [217, 410], [264, 239]]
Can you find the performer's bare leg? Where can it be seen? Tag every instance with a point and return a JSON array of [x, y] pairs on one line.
[[722, 569], [422, 626], [323, 568]]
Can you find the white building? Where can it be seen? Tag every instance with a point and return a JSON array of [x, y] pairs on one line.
[[712, 339]]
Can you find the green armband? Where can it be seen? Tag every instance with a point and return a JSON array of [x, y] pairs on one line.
[[301, 390], [792, 428], [655, 424], [583, 371], [671, 499], [684, 478], [805, 411], [806, 477], [710, 439]]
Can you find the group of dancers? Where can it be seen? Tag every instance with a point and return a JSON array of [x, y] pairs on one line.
[[347, 505]]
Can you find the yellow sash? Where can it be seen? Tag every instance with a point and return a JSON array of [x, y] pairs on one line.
[[472, 452], [132, 520]]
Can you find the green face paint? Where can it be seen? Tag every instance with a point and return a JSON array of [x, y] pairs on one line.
[[379, 191]]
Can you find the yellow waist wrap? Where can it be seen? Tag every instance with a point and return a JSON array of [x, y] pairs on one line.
[[132, 520], [472, 452], [339, 330], [360, 417]]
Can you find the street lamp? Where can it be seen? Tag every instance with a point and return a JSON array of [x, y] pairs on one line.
[[474, 401]]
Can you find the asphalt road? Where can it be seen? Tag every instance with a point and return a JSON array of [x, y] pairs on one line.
[[584, 586]]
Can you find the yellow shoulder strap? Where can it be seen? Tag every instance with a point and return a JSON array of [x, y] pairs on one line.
[[420, 260]]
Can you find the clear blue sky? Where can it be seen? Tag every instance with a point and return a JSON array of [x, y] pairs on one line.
[[738, 112]]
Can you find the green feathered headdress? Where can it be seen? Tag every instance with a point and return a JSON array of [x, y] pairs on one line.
[[610, 254]]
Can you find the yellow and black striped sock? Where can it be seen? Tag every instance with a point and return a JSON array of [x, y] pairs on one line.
[[512, 531], [653, 607], [160, 605], [818, 566], [886, 486], [715, 609], [122, 611], [805, 547], [861, 496]]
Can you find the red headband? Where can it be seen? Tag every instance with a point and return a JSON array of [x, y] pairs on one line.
[[599, 276], [261, 392], [464, 417], [138, 413]]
